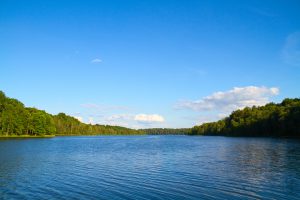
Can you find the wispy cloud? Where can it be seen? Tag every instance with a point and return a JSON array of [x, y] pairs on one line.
[[110, 115], [291, 49], [134, 120], [153, 118], [207, 118], [227, 101], [119, 120], [96, 61], [103, 108], [120, 117]]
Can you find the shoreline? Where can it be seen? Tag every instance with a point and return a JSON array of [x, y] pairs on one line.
[[25, 136], [3, 137]]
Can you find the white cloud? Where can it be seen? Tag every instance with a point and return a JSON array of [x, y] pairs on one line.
[[222, 115], [148, 118], [118, 123], [227, 101], [117, 120], [91, 120], [207, 118], [291, 50], [134, 120], [96, 60], [79, 118]]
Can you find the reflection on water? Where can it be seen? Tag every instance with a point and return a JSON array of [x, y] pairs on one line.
[[149, 167]]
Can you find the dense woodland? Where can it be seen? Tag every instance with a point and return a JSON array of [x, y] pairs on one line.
[[16, 119], [166, 131], [271, 120]]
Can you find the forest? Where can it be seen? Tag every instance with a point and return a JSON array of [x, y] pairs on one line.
[[271, 120], [166, 131], [16, 119]]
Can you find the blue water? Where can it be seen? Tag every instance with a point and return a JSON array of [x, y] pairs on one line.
[[150, 167]]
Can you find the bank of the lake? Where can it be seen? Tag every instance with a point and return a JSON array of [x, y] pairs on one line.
[[25, 136]]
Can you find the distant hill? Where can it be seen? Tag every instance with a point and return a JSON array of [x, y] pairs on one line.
[[271, 120], [16, 119]]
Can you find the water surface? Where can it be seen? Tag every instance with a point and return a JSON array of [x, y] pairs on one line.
[[150, 167]]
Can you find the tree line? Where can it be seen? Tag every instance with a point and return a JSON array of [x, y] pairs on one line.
[[271, 120], [16, 119], [166, 131]]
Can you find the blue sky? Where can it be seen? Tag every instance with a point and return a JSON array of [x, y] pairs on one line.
[[149, 63]]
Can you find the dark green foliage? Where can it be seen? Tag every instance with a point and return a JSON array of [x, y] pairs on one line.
[[275, 120], [166, 131], [15, 119], [271, 120], [67, 125], [40, 122]]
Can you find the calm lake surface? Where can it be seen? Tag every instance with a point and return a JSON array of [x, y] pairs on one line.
[[150, 167]]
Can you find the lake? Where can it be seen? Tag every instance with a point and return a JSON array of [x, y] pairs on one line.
[[150, 167]]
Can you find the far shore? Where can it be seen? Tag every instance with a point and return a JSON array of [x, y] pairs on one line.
[[25, 136], [58, 135]]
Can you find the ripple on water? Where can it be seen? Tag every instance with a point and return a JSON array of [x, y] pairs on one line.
[[154, 167]]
